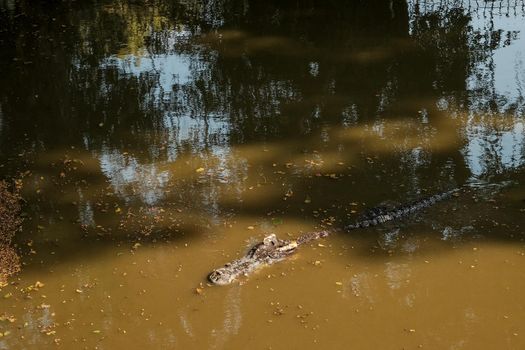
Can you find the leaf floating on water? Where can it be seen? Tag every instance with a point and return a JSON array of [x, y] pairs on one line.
[[8, 295], [339, 283], [308, 200], [199, 289], [33, 287], [96, 331], [9, 318], [277, 221], [199, 170], [250, 227]]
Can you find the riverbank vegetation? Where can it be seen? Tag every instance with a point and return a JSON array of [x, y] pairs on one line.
[[10, 222]]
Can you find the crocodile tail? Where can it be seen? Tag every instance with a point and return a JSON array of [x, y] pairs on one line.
[[429, 201], [351, 227], [444, 195], [401, 211]]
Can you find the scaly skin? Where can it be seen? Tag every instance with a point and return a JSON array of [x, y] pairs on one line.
[[380, 215], [270, 250], [273, 249]]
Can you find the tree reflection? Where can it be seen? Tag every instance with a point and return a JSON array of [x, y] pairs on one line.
[[189, 81]]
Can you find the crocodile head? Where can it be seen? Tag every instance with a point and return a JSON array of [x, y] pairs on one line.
[[270, 250], [221, 276]]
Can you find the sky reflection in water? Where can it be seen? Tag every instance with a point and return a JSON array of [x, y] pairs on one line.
[[495, 81]]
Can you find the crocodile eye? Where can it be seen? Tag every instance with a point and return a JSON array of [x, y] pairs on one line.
[[215, 276]]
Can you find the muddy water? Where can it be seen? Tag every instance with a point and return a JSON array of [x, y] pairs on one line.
[[157, 141]]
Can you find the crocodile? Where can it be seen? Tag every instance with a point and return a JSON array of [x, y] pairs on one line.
[[273, 249]]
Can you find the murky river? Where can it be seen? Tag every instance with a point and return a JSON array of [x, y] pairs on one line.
[[156, 141]]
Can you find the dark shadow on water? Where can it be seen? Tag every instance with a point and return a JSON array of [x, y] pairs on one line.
[[148, 94]]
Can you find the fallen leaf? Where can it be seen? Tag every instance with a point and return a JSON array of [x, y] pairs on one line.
[[277, 221], [9, 318]]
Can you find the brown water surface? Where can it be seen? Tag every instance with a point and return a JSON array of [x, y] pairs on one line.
[[157, 141]]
